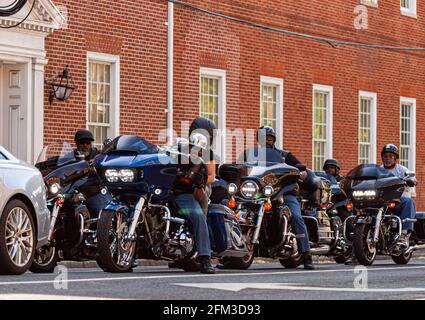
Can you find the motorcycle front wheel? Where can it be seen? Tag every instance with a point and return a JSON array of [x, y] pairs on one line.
[[364, 249], [116, 253]]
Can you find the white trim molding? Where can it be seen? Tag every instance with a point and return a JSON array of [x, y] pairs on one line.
[[373, 121], [114, 60], [329, 120], [411, 11], [220, 74], [412, 102], [279, 105]]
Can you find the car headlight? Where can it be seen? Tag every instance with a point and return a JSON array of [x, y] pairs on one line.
[[249, 189], [126, 175], [232, 189], [54, 188], [364, 194], [111, 175]]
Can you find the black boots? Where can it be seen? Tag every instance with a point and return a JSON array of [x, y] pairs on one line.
[[308, 261], [206, 266]]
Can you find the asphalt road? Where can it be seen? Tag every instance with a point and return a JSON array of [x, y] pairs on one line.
[[383, 280]]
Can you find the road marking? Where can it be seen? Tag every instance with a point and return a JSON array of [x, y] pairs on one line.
[[235, 287], [185, 275], [46, 297]]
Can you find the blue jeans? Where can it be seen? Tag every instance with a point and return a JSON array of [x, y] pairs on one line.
[[406, 209], [190, 209], [298, 224]]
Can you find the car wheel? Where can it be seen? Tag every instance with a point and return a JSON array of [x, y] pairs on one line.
[[17, 238]]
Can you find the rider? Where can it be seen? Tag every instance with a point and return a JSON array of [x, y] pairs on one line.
[[193, 200], [332, 168], [268, 134], [406, 209], [94, 190]]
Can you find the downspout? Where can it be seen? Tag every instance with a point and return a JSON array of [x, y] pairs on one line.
[[170, 72]]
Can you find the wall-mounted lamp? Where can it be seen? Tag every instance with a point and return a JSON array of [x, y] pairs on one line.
[[61, 85]]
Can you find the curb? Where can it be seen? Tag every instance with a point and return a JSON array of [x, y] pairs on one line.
[[159, 263]]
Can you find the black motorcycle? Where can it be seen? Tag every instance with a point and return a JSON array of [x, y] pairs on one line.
[[72, 232], [142, 221], [257, 190], [374, 194]]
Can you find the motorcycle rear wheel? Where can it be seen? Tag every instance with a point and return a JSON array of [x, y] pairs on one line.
[[403, 258], [45, 260], [364, 251], [292, 262], [116, 254]]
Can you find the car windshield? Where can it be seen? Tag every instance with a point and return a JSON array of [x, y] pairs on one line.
[[368, 172], [129, 143]]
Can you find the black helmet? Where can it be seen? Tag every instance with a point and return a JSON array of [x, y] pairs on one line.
[[206, 124], [269, 131], [83, 134], [390, 148], [331, 162]]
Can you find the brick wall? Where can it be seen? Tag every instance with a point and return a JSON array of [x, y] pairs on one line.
[[139, 36]]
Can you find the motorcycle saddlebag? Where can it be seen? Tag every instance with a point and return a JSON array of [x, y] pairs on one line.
[[217, 227], [420, 225]]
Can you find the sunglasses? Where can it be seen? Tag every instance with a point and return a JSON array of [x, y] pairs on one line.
[[84, 142]]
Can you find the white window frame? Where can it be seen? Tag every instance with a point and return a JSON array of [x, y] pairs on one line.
[[412, 12], [114, 60], [373, 121], [412, 101], [264, 80], [221, 125], [329, 121]]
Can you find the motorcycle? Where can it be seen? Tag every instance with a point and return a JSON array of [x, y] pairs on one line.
[[257, 190], [374, 194], [142, 221], [72, 231]]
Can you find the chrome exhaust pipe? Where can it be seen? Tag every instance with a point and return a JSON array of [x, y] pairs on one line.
[[415, 248], [324, 249]]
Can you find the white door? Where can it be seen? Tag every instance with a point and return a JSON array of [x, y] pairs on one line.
[[13, 111]]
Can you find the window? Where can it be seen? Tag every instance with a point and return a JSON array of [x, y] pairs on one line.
[[2, 156], [271, 106], [367, 127], [408, 133], [103, 97], [408, 7], [212, 102], [322, 125]]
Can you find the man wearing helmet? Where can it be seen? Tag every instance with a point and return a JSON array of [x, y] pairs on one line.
[[332, 168], [266, 135], [192, 198], [407, 207], [83, 140]]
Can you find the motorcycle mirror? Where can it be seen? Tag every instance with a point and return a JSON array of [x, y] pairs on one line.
[[107, 142]]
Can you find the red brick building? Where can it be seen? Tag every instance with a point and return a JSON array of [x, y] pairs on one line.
[[344, 102]]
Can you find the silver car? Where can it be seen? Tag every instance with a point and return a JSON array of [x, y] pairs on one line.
[[24, 217]]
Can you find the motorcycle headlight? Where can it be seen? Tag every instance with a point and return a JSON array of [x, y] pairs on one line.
[[232, 188], [126, 175], [249, 189], [364, 194], [111, 175], [54, 188], [268, 191]]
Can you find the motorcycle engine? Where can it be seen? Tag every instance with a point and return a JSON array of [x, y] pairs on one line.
[[181, 244]]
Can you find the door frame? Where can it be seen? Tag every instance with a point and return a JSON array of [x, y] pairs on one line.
[[27, 99]]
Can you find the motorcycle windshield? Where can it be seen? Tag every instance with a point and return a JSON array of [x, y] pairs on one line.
[[264, 157], [55, 155], [368, 172], [131, 143]]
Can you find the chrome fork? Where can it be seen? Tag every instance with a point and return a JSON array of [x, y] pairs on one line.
[[258, 226], [54, 217], [137, 211], [377, 225]]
